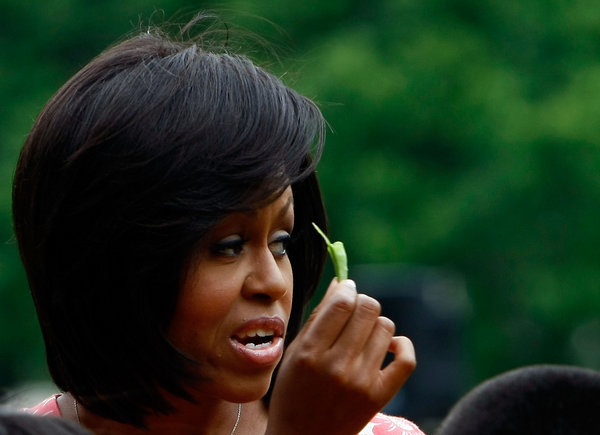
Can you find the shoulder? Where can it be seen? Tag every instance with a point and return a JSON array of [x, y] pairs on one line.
[[387, 424], [48, 407]]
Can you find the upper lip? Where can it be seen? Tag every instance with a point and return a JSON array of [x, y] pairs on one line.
[[263, 326]]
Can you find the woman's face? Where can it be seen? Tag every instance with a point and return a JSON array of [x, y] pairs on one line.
[[235, 302]]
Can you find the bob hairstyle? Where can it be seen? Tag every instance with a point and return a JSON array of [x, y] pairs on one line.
[[126, 168]]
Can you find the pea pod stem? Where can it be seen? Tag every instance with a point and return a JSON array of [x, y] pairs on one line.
[[338, 255]]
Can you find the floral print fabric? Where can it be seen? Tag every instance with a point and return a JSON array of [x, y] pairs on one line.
[[381, 424]]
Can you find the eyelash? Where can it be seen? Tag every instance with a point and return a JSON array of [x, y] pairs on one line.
[[284, 241], [233, 248]]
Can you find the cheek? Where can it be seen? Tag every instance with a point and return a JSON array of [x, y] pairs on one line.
[[201, 306]]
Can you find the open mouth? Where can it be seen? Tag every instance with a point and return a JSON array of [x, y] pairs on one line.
[[259, 341], [256, 339]]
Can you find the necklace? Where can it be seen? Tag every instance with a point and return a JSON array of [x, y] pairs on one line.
[[237, 420], [235, 426]]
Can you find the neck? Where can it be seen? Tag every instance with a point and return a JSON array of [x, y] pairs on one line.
[[208, 417]]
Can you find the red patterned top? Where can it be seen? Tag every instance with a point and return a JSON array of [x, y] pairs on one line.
[[47, 407], [381, 424]]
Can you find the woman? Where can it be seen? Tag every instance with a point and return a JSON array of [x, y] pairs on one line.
[[163, 204]]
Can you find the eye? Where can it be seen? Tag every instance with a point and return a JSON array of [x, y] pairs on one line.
[[230, 246], [279, 245]]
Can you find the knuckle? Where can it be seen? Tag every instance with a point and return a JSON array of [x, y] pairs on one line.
[[368, 305], [312, 316], [386, 325], [409, 364], [344, 302], [410, 358], [405, 354], [338, 373], [308, 361]]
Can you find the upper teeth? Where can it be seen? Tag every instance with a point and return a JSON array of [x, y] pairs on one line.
[[259, 332]]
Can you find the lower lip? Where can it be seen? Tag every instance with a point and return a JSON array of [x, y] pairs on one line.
[[263, 356]]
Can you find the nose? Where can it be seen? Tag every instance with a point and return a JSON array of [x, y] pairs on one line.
[[269, 278]]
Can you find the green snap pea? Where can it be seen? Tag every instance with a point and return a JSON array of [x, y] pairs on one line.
[[338, 255]]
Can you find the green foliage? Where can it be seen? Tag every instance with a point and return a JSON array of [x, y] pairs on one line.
[[464, 135]]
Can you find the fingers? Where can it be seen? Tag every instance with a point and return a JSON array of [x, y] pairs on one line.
[[362, 328], [379, 343], [338, 356], [331, 315], [349, 321], [348, 325], [331, 290]]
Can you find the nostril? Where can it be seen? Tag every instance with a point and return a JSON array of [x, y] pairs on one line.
[[262, 297], [267, 280]]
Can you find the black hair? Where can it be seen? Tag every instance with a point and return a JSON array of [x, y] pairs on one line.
[[540, 399], [126, 168]]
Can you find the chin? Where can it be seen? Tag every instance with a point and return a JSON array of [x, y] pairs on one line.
[[245, 391]]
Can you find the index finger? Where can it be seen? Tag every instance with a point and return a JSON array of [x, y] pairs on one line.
[[333, 288], [331, 316]]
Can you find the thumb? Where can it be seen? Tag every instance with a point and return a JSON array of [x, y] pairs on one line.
[[397, 372]]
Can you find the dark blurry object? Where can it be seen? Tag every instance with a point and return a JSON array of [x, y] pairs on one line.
[[544, 399], [13, 422]]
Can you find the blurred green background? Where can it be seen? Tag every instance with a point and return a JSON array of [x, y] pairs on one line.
[[464, 137]]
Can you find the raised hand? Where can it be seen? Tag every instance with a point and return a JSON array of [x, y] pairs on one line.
[[331, 379]]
